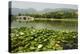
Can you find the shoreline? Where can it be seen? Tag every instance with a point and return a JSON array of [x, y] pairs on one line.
[[55, 19]]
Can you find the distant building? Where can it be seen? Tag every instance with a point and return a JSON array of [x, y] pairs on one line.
[[24, 18]]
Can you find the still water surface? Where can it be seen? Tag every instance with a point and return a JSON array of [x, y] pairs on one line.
[[48, 24]]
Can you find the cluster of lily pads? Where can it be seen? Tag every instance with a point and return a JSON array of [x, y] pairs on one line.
[[30, 39]]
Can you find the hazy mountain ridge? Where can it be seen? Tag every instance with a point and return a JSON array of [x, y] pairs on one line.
[[16, 11]]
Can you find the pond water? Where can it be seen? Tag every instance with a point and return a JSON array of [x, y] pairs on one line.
[[48, 24]]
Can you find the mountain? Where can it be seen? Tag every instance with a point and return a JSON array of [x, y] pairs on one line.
[[59, 9], [16, 11]]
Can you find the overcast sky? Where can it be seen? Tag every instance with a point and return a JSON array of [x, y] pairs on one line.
[[40, 6]]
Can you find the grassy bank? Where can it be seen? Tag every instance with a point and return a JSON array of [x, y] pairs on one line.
[[26, 40]]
